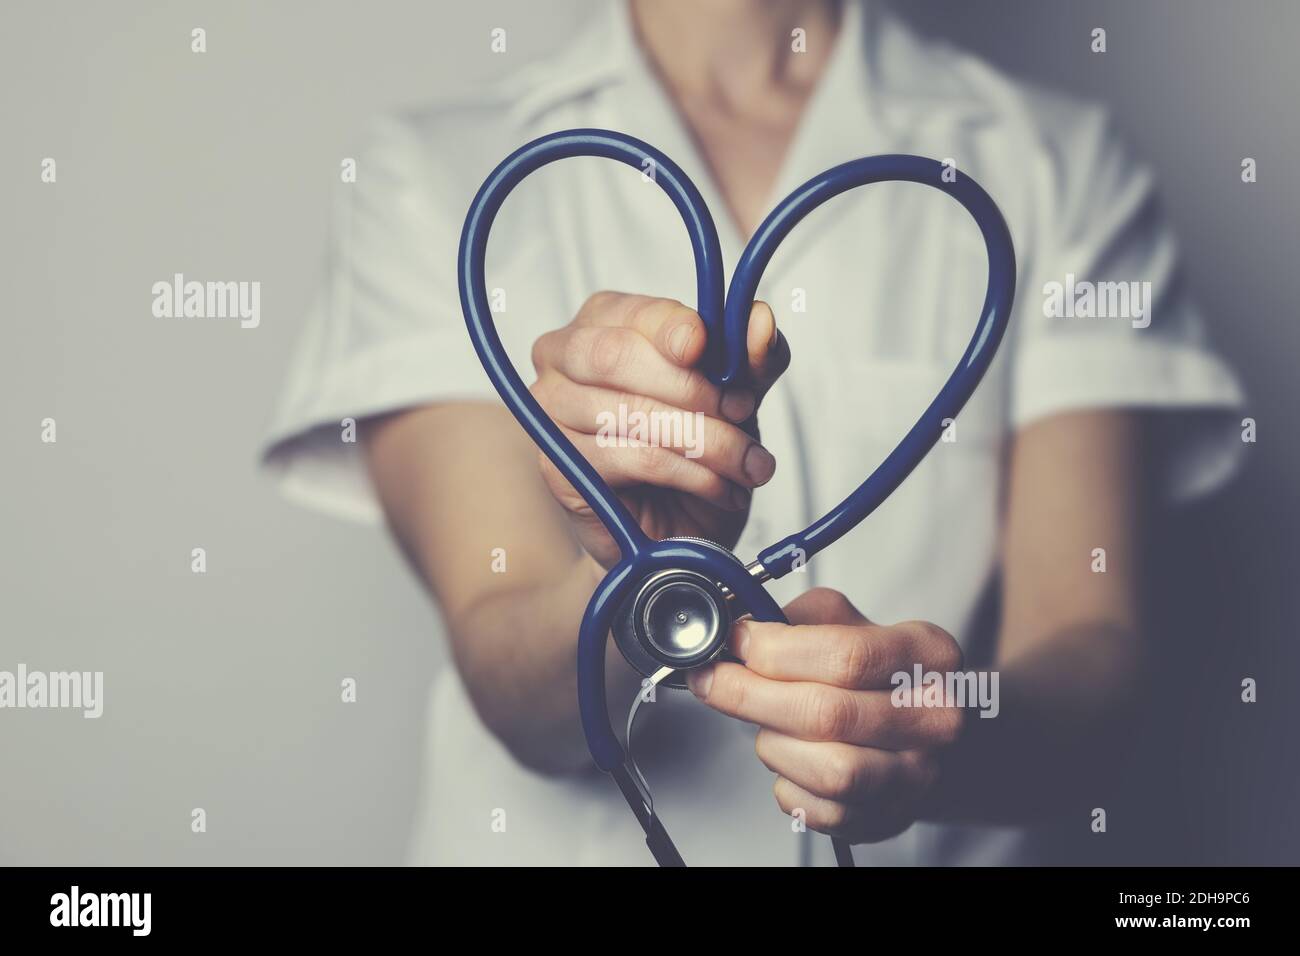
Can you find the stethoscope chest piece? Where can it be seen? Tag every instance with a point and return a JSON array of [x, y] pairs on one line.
[[676, 618]]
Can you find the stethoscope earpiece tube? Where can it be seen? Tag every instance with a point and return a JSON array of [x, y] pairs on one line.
[[648, 569], [471, 269], [995, 314]]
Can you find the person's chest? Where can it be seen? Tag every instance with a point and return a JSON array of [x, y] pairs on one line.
[[745, 152]]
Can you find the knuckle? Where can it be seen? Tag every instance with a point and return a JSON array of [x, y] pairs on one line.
[[600, 301], [834, 605], [556, 394], [821, 594], [637, 307], [852, 660], [608, 352], [829, 714], [542, 348], [648, 313], [656, 311], [935, 647], [841, 776], [839, 603], [948, 651]]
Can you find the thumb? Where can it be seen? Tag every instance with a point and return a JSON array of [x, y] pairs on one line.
[[769, 352]]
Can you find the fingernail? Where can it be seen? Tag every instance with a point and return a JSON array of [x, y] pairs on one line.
[[758, 464], [737, 404], [677, 341], [742, 641], [700, 680]]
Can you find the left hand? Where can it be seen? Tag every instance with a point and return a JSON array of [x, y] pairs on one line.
[[819, 688]]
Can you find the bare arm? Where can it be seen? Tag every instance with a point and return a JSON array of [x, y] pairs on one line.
[[1070, 645], [459, 480], [863, 768]]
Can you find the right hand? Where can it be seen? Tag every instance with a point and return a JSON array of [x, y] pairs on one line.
[[641, 352]]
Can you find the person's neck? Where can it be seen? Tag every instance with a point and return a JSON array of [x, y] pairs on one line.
[[735, 51]]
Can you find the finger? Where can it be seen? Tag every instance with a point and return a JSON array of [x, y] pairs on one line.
[[675, 330], [617, 418], [740, 401], [815, 711], [864, 776], [825, 816], [769, 351], [623, 360], [644, 465], [856, 657], [593, 347], [856, 824]]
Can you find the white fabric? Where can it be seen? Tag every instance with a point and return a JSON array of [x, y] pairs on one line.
[[893, 276]]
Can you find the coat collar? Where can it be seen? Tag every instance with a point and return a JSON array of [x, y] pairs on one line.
[[893, 67], [881, 82]]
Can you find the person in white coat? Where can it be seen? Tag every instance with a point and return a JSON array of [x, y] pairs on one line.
[[1033, 503]]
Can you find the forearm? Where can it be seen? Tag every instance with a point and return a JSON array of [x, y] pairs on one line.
[[513, 635], [516, 652], [1065, 706], [1070, 653]]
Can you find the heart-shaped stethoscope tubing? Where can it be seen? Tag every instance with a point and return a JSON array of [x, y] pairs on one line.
[[677, 597]]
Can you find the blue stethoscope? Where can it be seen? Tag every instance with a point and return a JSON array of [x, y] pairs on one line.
[[670, 603]]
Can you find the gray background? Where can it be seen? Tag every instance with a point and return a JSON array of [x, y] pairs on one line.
[[222, 689]]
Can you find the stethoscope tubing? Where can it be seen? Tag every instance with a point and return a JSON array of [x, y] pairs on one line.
[[726, 319], [478, 314], [995, 315], [725, 363]]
